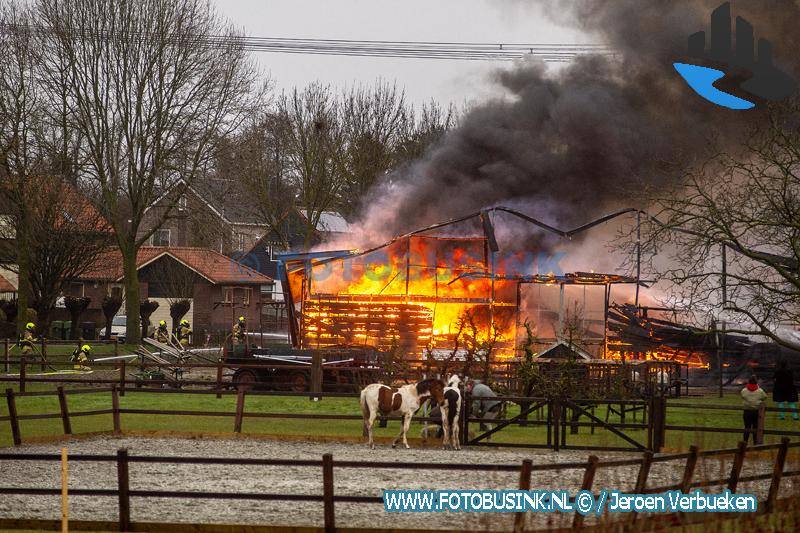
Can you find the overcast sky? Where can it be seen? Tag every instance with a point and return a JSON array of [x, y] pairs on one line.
[[396, 20]]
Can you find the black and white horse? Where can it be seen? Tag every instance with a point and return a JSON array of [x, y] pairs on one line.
[[379, 398], [451, 411]]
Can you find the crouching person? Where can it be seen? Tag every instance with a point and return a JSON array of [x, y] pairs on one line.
[[81, 358]]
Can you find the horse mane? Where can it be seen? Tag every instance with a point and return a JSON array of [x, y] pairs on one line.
[[424, 386]]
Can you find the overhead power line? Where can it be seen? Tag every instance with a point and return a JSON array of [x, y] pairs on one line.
[[551, 52]]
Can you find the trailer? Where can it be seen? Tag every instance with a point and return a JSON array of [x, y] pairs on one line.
[[341, 369]]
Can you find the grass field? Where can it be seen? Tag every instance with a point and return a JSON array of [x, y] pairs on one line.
[[676, 415]]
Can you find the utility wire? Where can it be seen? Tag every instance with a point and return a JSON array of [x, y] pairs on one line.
[[551, 52]]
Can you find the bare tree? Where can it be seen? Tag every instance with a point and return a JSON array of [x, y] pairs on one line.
[[22, 153], [727, 240], [313, 143], [257, 164], [149, 93], [374, 120]]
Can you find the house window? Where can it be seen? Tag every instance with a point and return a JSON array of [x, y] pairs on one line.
[[75, 289], [238, 240], [237, 295], [161, 237], [182, 203], [116, 292]]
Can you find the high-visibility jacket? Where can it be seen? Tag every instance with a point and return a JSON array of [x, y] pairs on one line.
[[239, 333], [162, 334], [27, 342], [183, 335], [81, 359]]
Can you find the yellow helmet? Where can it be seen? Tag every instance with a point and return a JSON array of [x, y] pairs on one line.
[[29, 326], [162, 323], [184, 322], [86, 348], [241, 319]]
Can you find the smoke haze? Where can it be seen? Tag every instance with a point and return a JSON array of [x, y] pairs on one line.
[[565, 145]]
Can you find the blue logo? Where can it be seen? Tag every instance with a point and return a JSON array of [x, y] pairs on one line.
[[761, 77]]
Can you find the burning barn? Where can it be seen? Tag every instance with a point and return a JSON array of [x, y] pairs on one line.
[[428, 288]]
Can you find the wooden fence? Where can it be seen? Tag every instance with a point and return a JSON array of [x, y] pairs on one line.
[[688, 461], [558, 424]]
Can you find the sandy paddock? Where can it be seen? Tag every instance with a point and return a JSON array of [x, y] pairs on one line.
[[307, 480]]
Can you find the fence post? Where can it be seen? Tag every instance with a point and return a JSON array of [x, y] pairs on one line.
[[22, 370], [237, 422], [688, 471], [219, 378], [658, 421], [762, 417], [327, 493], [316, 374], [62, 401], [116, 348], [122, 375], [524, 484], [736, 470], [123, 487], [44, 353], [777, 474], [12, 416], [641, 479], [115, 409], [5, 351], [588, 481], [556, 424], [466, 409]]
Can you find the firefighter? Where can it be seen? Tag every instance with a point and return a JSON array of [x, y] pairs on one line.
[[184, 331], [26, 344], [240, 332], [162, 333], [80, 358]]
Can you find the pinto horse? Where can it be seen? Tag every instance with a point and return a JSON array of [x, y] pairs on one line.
[[451, 411], [378, 398]]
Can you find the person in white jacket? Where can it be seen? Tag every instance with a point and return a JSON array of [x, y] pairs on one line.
[[752, 397]]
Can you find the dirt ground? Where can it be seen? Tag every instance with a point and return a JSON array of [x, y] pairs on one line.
[[307, 480]]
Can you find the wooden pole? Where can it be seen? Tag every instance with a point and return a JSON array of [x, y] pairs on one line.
[[44, 353], [123, 488], [219, 378], [122, 375], [588, 481], [762, 417], [556, 424], [12, 416], [22, 370], [316, 375], [115, 409], [64, 492], [327, 493], [524, 484], [641, 479], [62, 402], [688, 470], [5, 350], [777, 474], [237, 423], [736, 470]]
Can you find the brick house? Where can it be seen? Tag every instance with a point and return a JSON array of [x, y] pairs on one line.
[[218, 287], [213, 213]]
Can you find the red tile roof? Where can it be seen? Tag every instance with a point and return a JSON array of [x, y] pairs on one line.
[[6, 286], [215, 267]]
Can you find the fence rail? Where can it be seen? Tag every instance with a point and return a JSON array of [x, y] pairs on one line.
[[329, 497], [556, 420]]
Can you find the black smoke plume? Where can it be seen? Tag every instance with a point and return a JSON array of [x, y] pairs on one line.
[[568, 144]]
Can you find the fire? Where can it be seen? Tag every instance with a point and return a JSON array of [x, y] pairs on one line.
[[618, 350], [413, 293]]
